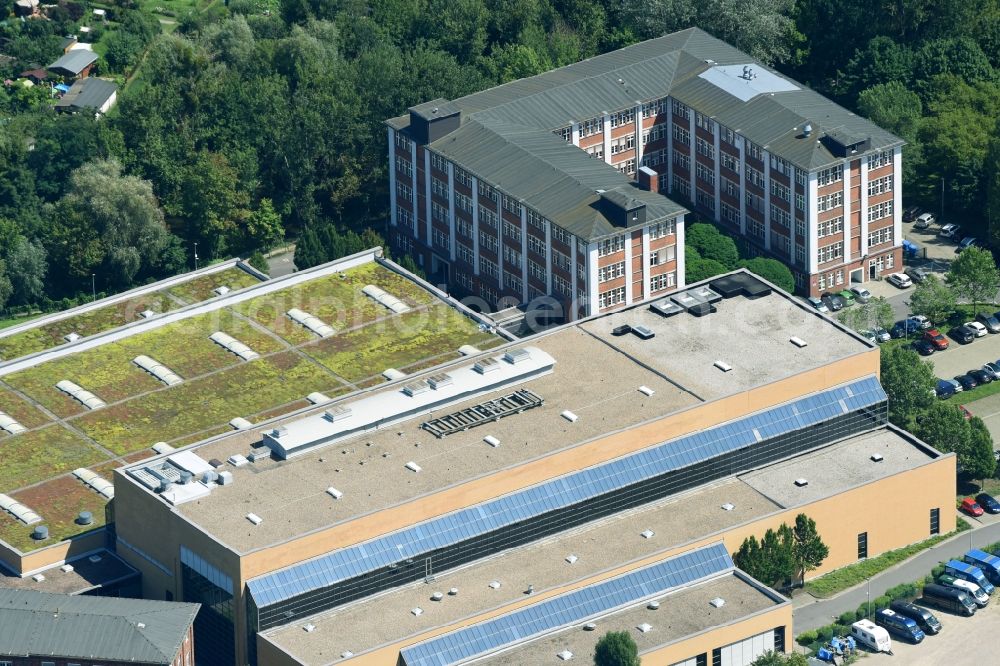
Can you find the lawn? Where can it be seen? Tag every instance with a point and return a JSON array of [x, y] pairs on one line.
[[109, 373], [201, 288], [38, 455], [20, 410], [400, 342], [58, 502], [336, 300], [207, 403], [830, 584]]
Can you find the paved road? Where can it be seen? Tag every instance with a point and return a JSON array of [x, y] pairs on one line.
[[281, 264], [810, 614]]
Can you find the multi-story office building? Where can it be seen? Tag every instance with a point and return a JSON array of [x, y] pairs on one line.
[[800, 178], [340, 531]]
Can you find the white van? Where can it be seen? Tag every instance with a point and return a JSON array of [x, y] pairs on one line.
[[974, 591], [871, 635]]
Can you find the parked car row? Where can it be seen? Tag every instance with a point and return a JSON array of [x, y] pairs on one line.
[[833, 302], [923, 221]]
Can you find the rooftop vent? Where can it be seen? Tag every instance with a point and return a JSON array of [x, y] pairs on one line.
[[802, 483], [484, 412], [665, 308], [85, 518], [647, 534], [413, 467], [254, 518], [439, 380], [18, 510], [569, 416], [238, 460], [453, 592], [722, 365], [653, 605], [643, 333], [147, 314], [162, 447], [157, 369], [485, 365], [590, 626], [644, 628], [797, 341], [392, 374], [40, 533], [71, 337], [645, 390], [337, 413], [718, 602], [728, 507], [309, 628], [231, 344], [416, 388], [85, 397], [316, 398], [94, 559], [66, 568], [619, 331], [8, 423], [346, 654], [225, 478], [437, 596], [221, 291], [311, 322], [468, 350], [240, 423], [877, 457], [807, 130], [492, 441], [334, 493], [38, 578], [571, 558], [565, 655], [495, 584], [417, 611], [516, 356]]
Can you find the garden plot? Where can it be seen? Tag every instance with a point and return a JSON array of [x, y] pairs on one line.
[[203, 288], [41, 454], [88, 323], [335, 300], [59, 502], [109, 371], [424, 337], [206, 404]]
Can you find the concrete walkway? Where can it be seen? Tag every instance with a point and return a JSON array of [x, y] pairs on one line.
[[811, 613]]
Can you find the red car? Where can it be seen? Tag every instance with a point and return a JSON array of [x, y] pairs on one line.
[[934, 337], [970, 506]]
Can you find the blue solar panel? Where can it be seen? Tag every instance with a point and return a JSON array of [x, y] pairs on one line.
[[571, 608], [453, 528]]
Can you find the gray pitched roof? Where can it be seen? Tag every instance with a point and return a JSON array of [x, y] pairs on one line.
[[100, 628], [556, 179], [74, 62], [88, 93], [671, 65]]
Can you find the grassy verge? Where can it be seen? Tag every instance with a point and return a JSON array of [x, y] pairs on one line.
[[41, 454], [978, 393], [837, 581]]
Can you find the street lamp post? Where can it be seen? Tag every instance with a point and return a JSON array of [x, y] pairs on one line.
[[868, 593], [93, 285], [196, 256]]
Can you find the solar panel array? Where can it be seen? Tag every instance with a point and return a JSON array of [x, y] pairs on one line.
[[565, 491], [571, 608]]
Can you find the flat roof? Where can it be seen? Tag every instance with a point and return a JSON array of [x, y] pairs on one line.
[[92, 571], [835, 469], [752, 335], [675, 521], [542, 564], [681, 614]]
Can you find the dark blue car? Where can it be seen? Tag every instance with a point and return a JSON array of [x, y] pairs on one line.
[[903, 329], [944, 389], [988, 502]]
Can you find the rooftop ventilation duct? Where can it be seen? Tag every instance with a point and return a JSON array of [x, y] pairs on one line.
[[645, 628], [722, 365], [877, 457], [797, 341], [802, 483], [718, 602]]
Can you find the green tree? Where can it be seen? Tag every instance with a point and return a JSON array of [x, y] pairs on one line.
[[979, 461], [809, 551], [880, 312], [616, 648], [748, 557], [6, 288], [263, 229], [933, 298], [771, 658], [26, 269], [701, 269], [712, 244], [908, 382], [883, 60], [259, 261], [974, 276], [944, 427], [771, 270]]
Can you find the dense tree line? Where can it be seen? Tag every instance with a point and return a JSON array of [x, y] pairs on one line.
[[259, 120]]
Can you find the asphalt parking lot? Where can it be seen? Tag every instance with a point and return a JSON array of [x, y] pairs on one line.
[[963, 641], [959, 359]]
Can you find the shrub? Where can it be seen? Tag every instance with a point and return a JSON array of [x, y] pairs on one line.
[[847, 618], [808, 637], [824, 634]]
